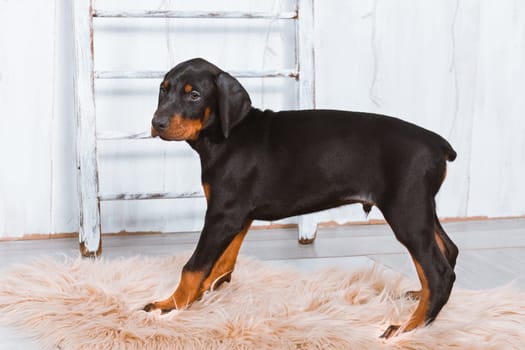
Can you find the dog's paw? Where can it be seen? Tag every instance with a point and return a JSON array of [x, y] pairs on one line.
[[150, 307], [391, 331], [164, 307]]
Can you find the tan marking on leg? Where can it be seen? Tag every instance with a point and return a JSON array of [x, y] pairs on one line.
[[206, 188], [226, 263], [193, 284], [188, 88], [186, 293], [440, 244], [419, 316]]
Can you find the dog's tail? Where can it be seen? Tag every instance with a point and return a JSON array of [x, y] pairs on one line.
[[450, 154]]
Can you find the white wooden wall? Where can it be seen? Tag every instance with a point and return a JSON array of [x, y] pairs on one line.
[[456, 67]]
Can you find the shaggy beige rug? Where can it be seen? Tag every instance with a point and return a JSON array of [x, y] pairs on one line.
[[82, 304]]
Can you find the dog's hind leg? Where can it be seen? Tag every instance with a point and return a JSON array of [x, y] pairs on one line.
[[411, 217], [447, 247]]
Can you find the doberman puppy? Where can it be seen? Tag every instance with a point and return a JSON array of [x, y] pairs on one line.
[[269, 165]]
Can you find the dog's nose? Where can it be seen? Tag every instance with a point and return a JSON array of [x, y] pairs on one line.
[[159, 123]]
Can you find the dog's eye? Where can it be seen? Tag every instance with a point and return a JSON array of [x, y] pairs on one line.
[[162, 90], [195, 95]]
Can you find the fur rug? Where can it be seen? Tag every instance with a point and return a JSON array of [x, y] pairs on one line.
[[83, 304]]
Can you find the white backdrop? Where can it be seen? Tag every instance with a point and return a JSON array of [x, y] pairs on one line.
[[456, 67]]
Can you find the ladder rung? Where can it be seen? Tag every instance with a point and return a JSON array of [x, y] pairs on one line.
[[194, 14], [284, 73], [118, 135], [155, 195]]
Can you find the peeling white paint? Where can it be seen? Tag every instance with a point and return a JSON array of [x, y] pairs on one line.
[[455, 67]]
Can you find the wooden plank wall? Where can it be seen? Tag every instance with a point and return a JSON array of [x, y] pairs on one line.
[[37, 123], [457, 67]]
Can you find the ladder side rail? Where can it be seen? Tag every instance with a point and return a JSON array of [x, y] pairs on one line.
[[89, 228], [307, 224]]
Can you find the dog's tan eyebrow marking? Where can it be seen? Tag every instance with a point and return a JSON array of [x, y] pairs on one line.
[[188, 88], [166, 84]]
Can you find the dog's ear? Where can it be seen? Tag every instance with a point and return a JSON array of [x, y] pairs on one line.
[[233, 102]]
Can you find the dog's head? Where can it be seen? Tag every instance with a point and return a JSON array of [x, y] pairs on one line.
[[195, 95]]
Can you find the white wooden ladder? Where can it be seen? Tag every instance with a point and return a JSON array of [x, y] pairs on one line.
[[85, 75]]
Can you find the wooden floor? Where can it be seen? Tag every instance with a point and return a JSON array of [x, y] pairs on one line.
[[492, 253]]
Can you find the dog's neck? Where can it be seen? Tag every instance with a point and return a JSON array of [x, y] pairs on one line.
[[211, 140], [212, 136]]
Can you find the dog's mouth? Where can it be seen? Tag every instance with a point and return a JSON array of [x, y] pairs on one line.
[[178, 129], [154, 132], [169, 135]]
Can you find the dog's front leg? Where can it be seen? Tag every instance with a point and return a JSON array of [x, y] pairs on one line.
[[210, 265]]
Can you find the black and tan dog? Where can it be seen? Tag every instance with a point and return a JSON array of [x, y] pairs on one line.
[[270, 165]]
